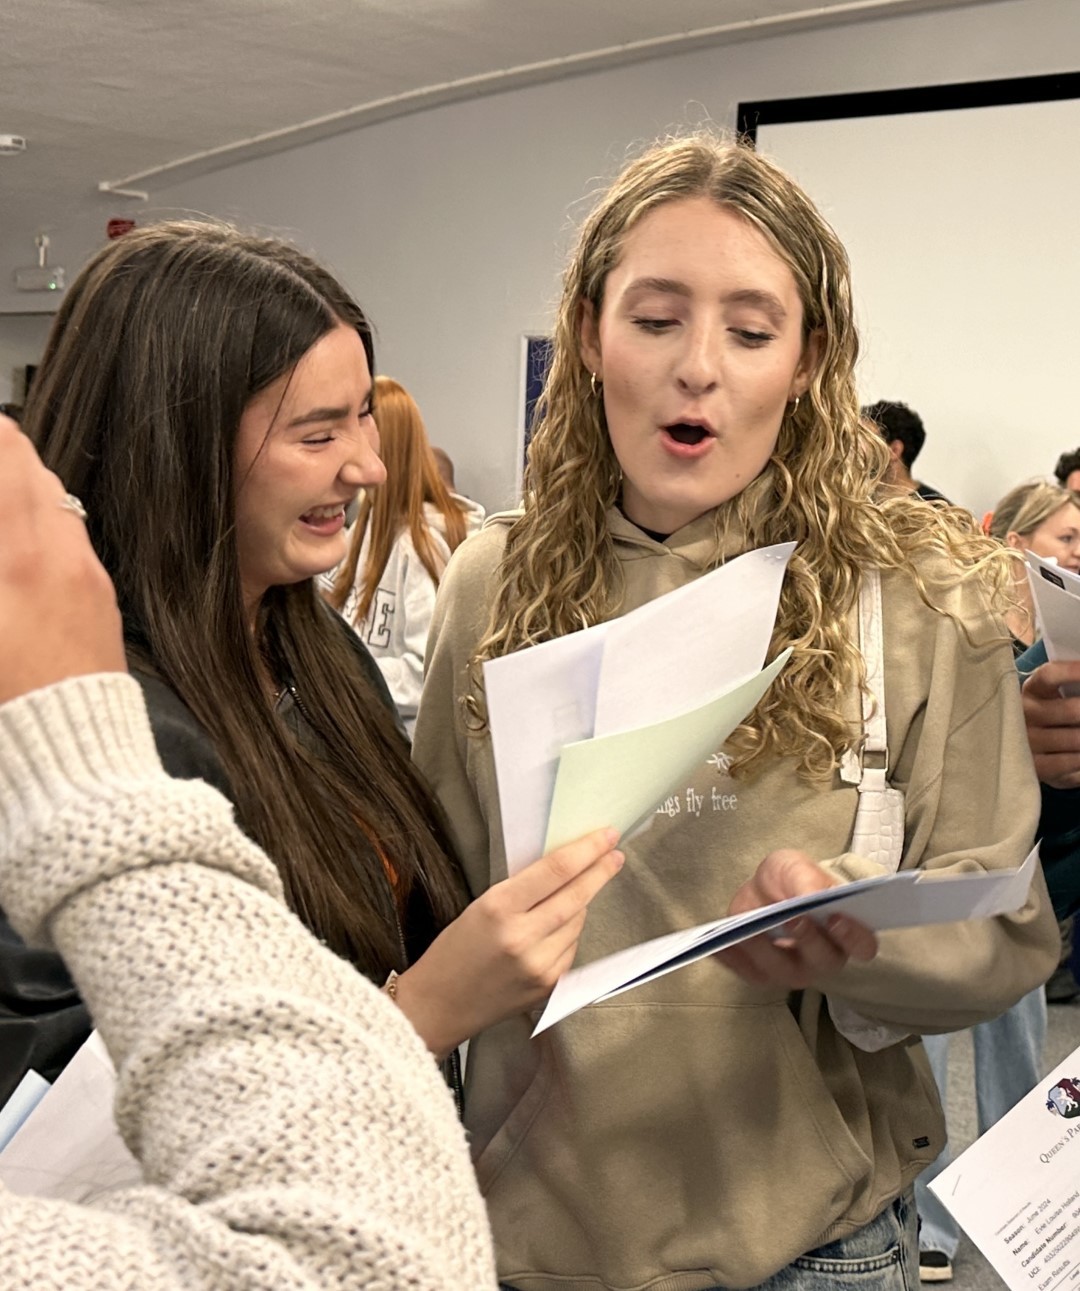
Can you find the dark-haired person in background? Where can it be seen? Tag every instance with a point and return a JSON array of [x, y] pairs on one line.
[[1067, 471], [905, 435]]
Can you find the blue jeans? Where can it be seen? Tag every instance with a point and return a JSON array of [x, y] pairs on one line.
[[1008, 1063], [882, 1256]]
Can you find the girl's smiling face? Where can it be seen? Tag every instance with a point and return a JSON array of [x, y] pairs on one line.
[[305, 447], [700, 348]]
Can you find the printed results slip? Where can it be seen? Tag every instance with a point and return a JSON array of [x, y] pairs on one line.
[[1016, 1191]]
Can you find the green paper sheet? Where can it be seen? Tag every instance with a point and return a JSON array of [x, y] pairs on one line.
[[619, 779]]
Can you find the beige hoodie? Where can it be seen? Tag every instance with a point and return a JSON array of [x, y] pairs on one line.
[[698, 1130]]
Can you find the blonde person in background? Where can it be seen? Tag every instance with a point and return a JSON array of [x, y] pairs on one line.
[[756, 1122], [1043, 518], [405, 533]]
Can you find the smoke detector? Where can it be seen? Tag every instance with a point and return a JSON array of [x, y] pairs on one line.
[[11, 145], [40, 277]]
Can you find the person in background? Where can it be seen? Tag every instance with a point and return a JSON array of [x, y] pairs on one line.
[[208, 396], [1045, 519], [1067, 470], [475, 514], [405, 533], [291, 1129], [1053, 727], [756, 1122], [903, 431], [1008, 1050], [445, 464]]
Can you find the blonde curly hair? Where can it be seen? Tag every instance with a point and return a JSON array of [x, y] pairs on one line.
[[820, 489]]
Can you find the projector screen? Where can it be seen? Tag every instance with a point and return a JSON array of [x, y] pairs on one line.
[[963, 228]]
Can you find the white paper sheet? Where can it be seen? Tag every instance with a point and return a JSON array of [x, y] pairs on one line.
[[24, 1098], [661, 660], [1016, 1190], [69, 1147], [683, 649], [1056, 592], [902, 900]]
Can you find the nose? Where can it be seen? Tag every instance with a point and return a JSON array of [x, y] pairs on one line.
[[363, 467], [697, 368]]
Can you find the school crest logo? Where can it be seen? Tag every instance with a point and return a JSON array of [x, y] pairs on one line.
[[1063, 1099]]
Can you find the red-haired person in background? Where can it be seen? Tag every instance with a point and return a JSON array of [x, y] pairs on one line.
[[405, 533]]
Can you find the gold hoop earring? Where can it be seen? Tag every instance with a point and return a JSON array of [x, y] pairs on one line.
[[595, 386]]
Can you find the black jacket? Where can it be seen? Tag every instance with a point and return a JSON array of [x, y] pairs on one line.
[[42, 1019]]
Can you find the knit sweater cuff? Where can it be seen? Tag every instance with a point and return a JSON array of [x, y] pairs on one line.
[[84, 797], [71, 737]]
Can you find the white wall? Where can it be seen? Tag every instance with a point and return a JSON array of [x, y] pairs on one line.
[[962, 232], [451, 225], [22, 340]]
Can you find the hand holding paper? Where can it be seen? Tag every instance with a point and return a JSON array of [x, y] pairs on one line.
[[901, 900], [809, 948], [509, 947]]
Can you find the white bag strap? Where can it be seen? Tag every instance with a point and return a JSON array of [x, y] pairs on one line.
[[879, 820], [871, 768]]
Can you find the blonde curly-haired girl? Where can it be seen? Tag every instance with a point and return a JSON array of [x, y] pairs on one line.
[[756, 1122]]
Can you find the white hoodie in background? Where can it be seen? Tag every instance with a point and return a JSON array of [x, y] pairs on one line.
[[395, 628]]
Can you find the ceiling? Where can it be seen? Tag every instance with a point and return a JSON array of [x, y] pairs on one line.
[[138, 94]]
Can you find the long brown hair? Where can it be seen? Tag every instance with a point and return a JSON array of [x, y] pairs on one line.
[[412, 479], [160, 344], [560, 571]]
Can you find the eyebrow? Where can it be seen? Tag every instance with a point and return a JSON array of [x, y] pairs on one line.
[[667, 286], [326, 414], [764, 300]]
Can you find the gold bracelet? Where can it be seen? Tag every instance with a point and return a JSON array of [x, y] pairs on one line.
[[389, 987]]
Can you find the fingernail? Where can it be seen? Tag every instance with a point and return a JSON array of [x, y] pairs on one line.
[[611, 837], [619, 859]]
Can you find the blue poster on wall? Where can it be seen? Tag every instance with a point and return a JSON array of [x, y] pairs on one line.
[[537, 361]]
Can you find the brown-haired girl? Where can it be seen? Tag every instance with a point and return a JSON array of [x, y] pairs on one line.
[[208, 396]]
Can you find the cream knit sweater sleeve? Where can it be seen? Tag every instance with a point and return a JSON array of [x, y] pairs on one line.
[[293, 1130]]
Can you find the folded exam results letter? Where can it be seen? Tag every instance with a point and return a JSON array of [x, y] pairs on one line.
[[902, 900]]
